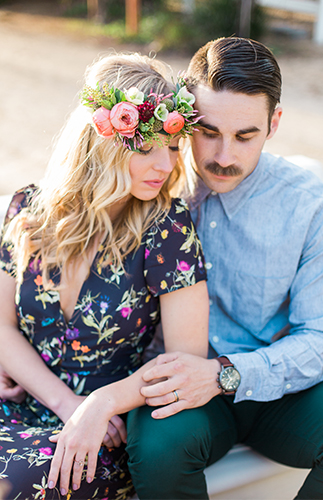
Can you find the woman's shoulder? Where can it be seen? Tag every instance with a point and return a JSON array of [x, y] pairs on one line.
[[177, 213], [20, 199]]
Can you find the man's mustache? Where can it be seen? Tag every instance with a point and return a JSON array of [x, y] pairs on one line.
[[229, 171]]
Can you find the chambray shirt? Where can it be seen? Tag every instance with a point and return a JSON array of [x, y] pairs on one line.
[[263, 244]]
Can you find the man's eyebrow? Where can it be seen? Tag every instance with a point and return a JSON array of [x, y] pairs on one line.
[[249, 130], [208, 126], [244, 131]]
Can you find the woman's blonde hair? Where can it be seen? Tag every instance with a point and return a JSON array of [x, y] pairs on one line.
[[86, 175]]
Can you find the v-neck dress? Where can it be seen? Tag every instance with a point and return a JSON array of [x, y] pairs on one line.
[[113, 322]]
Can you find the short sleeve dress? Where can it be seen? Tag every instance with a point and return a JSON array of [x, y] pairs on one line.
[[113, 322]]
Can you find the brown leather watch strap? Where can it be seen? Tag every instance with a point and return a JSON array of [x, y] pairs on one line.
[[224, 361]]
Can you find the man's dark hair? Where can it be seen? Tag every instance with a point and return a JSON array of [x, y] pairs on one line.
[[237, 65]]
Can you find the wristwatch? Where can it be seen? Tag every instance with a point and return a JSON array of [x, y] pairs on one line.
[[229, 378]]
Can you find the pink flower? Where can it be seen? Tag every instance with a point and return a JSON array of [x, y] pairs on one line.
[[45, 356], [126, 311], [124, 117], [183, 266], [102, 123], [46, 451], [25, 435], [174, 123], [147, 253]]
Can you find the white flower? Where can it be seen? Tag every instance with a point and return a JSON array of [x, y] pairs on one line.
[[161, 112], [185, 95], [134, 95]]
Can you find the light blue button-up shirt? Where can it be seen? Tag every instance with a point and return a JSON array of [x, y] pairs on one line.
[[263, 244]]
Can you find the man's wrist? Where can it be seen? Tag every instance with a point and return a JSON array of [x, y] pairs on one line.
[[228, 377]]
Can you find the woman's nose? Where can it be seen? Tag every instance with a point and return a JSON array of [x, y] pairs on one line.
[[166, 160]]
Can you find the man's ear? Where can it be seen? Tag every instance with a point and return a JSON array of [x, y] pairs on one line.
[[275, 122]]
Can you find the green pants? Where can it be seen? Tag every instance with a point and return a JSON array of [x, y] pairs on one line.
[[167, 457]]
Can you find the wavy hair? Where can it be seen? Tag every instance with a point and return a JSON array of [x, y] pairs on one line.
[[86, 175]]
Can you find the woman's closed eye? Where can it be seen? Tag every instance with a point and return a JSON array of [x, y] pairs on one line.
[[174, 148], [145, 151]]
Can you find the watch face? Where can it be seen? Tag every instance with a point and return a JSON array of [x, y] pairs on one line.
[[230, 379]]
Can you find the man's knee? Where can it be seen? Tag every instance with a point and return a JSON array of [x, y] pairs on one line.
[[184, 434]]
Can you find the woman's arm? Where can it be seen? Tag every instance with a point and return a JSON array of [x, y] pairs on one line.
[[184, 315], [22, 362], [9, 389]]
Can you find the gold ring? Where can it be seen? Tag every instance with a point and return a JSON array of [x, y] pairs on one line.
[[80, 463], [176, 396]]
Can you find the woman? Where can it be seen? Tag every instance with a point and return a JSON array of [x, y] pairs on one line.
[[88, 263]]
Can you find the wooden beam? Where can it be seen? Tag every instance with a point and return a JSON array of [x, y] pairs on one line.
[[92, 8], [245, 18], [132, 16]]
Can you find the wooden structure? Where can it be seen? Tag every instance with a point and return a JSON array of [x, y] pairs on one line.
[[132, 16], [313, 7]]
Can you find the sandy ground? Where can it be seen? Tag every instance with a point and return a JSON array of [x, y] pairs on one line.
[[41, 69]]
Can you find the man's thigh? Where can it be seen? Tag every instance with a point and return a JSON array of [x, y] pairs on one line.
[[290, 430], [174, 452]]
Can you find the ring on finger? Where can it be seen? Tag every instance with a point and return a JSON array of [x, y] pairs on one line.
[[176, 396], [80, 463]]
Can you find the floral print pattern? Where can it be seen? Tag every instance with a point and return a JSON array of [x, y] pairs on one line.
[[113, 321]]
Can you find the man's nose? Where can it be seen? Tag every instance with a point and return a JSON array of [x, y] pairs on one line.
[[225, 154]]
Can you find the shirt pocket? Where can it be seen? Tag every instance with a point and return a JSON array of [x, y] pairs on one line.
[[256, 299]]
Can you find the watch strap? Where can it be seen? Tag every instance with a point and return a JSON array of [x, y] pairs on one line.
[[224, 362]]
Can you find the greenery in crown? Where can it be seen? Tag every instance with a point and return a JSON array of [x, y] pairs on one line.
[[132, 117]]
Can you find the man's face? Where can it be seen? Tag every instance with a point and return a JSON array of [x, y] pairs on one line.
[[231, 135]]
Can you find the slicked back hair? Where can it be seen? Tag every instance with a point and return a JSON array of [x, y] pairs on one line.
[[237, 65]]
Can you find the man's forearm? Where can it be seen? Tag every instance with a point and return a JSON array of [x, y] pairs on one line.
[[291, 364]]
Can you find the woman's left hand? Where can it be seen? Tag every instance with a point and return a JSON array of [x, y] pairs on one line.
[[81, 437]]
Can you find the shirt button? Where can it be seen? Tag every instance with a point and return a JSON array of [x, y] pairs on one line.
[[215, 338], [211, 302], [213, 224], [208, 265], [214, 193], [288, 386], [249, 393]]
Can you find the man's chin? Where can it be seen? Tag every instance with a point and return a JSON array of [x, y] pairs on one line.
[[222, 183]]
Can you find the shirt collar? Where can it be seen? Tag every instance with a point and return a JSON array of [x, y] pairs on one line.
[[233, 200]]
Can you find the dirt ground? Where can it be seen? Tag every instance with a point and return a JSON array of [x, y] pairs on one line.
[[41, 69]]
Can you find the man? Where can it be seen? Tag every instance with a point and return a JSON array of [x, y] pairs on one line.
[[260, 220]]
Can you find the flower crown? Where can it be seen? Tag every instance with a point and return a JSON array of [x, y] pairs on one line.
[[133, 117]]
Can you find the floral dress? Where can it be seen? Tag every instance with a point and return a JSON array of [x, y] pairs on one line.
[[112, 323]]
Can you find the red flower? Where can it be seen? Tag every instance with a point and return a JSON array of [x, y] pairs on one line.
[[146, 111], [177, 227]]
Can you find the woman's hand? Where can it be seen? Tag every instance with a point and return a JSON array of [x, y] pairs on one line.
[[81, 437], [9, 389]]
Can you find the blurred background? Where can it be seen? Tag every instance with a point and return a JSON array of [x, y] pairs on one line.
[[45, 47]]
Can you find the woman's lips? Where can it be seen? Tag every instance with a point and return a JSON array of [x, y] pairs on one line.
[[155, 183]]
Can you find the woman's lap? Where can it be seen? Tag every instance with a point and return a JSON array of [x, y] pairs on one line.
[[25, 458]]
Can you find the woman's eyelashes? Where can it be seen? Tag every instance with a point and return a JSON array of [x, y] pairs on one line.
[[174, 148], [145, 151]]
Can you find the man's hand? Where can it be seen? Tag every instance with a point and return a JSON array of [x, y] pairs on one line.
[[116, 433], [9, 389], [192, 377]]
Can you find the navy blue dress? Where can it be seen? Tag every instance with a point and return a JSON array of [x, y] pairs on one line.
[[113, 321]]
